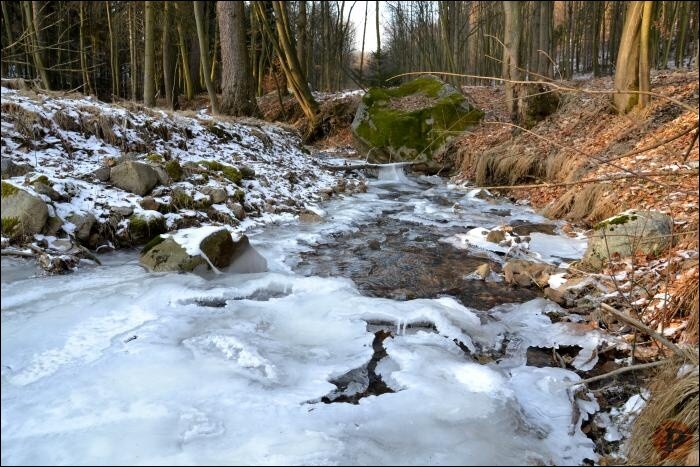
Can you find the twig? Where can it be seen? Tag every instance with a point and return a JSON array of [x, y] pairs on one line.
[[690, 148], [642, 327], [593, 180], [640, 366]]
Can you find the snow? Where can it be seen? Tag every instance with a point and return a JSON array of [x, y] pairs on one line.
[[139, 360], [191, 238]]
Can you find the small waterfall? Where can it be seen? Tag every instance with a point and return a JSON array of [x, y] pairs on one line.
[[392, 173]]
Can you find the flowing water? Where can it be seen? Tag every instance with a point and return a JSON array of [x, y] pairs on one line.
[[365, 343]]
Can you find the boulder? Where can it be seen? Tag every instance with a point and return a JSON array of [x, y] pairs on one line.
[[483, 271], [199, 248], [102, 174], [9, 168], [412, 121], [496, 236], [628, 233], [44, 189], [22, 213], [134, 177], [149, 203], [144, 225], [217, 195], [527, 273], [83, 225]]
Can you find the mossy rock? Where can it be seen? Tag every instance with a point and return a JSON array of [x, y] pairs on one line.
[[155, 158], [228, 171], [628, 233], [238, 196], [411, 122], [22, 213], [42, 180], [142, 228], [174, 170], [180, 199]]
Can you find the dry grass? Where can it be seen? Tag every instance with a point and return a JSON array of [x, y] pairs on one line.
[[684, 304], [589, 203], [666, 431], [507, 168]]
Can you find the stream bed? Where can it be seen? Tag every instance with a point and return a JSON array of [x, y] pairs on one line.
[[366, 342]]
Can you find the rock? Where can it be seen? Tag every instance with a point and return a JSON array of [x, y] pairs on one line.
[[134, 177], [145, 225], [124, 211], [483, 271], [374, 244], [162, 174], [102, 174], [247, 172], [57, 264], [534, 103], [574, 289], [9, 168], [166, 254], [309, 216], [496, 236], [53, 225], [83, 225], [480, 193], [627, 233], [149, 203], [22, 213], [217, 195], [527, 273], [237, 210], [412, 121], [44, 189]]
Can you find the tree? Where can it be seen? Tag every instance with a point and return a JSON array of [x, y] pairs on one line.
[[237, 86], [168, 62], [511, 48], [632, 68], [204, 56], [149, 95]]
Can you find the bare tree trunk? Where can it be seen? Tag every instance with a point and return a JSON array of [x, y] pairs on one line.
[[113, 59], [237, 88], [184, 56], [204, 56], [31, 19], [644, 54], [168, 62], [87, 87], [511, 42], [364, 33], [132, 51], [379, 40], [302, 46], [627, 67], [149, 96]]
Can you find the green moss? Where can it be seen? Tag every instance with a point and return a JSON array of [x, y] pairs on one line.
[[154, 242], [8, 189], [142, 230], [248, 173], [155, 158], [421, 131], [174, 170], [239, 196], [228, 171], [10, 225], [616, 220], [43, 179], [181, 200]]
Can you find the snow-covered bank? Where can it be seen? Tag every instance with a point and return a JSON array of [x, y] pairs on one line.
[[240, 173]]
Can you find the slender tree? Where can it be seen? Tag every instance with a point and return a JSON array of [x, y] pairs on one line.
[[204, 56], [627, 70], [149, 94]]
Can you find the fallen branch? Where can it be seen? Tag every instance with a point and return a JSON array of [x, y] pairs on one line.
[[642, 327], [641, 366], [15, 252], [593, 180], [349, 167]]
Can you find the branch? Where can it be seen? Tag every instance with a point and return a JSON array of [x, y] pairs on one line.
[[641, 366]]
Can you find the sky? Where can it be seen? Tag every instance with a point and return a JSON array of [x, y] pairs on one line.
[[358, 18]]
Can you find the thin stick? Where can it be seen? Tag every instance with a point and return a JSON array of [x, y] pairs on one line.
[[593, 180], [642, 327], [690, 148], [640, 366]]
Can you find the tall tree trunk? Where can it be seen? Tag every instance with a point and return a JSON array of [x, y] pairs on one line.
[[132, 51], [87, 87], [644, 53], [237, 88], [113, 59], [362, 50], [627, 70], [31, 19], [302, 46], [379, 40], [544, 62], [149, 95], [204, 56], [168, 62], [184, 55], [511, 42]]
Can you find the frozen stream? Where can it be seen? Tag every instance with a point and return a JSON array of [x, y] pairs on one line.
[[111, 365]]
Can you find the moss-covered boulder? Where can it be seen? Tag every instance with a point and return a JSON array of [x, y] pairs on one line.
[[22, 212], [412, 121], [625, 234], [144, 225], [199, 248]]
